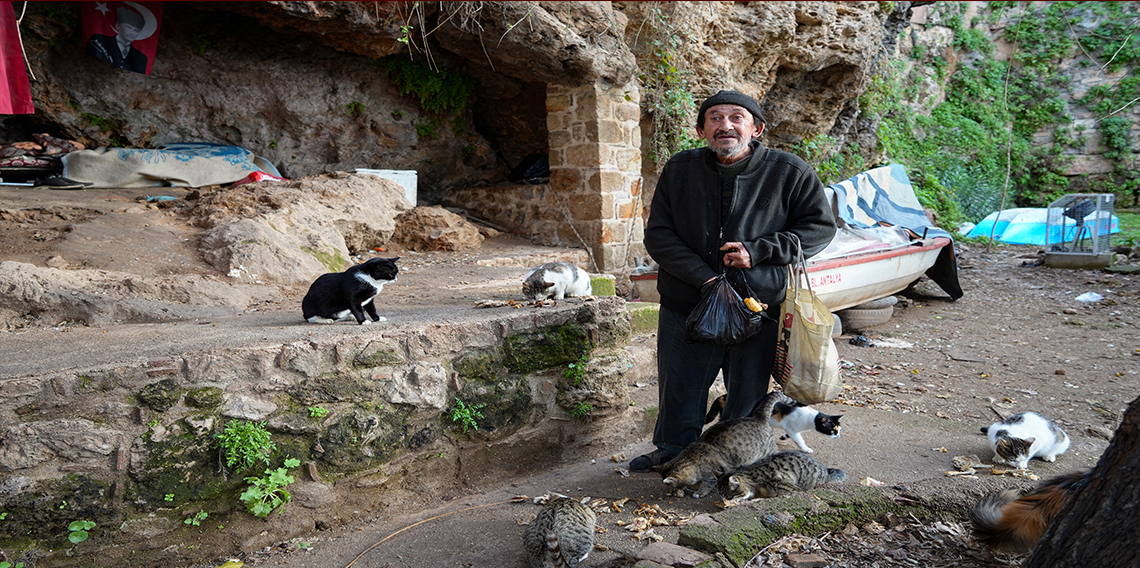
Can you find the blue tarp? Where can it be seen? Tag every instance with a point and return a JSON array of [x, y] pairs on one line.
[[1028, 226]]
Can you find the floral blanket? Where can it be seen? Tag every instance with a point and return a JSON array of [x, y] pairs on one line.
[[190, 164]]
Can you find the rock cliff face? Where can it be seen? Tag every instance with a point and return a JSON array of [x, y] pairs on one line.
[[311, 87]]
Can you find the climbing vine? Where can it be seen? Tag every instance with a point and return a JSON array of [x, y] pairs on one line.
[[666, 92]]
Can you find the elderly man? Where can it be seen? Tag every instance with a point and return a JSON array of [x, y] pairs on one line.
[[735, 204]]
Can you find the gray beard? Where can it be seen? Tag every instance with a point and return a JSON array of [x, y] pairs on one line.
[[731, 150]]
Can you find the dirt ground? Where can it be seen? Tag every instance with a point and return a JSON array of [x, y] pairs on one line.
[[917, 390]]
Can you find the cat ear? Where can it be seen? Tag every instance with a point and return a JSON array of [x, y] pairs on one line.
[[548, 284], [733, 482], [1030, 441], [670, 481]]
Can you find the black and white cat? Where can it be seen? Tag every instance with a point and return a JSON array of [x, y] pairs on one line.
[[556, 280], [793, 419], [1024, 436], [339, 296]]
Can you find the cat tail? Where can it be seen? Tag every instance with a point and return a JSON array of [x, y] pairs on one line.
[[1005, 523], [716, 408], [835, 475], [554, 550], [764, 409]]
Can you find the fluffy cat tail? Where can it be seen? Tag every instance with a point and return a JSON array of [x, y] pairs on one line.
[[1003, 522], [835, 475]]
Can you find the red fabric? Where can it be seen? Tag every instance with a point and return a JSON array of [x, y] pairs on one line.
[[101, 29], [16, 92], [257, 176]]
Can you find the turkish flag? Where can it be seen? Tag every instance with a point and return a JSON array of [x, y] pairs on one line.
[[15, 92], [123, 33]]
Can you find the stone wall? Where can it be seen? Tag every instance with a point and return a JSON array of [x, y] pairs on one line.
[[594, 195], [133, 445]]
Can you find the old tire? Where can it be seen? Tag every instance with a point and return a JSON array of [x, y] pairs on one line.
[[854, 318], [837, 329], [877, 304]]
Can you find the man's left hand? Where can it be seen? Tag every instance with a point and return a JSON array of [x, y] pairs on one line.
[[737, 256]]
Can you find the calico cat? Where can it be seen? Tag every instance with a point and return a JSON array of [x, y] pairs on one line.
[[776, 475], [556, 280], [724, 447], [1024, 436], [1003, 522], [794, 419], [338, 296], [561, 535]]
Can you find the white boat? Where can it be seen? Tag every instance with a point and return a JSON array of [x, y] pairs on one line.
[[858, 277]]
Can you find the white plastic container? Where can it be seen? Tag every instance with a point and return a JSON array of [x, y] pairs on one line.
[[406, 179]]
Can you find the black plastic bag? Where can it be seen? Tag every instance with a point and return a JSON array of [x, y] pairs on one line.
[[533, 168], [721, 316]]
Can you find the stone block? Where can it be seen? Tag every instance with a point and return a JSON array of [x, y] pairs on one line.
[[628, 112], [610, 132], [627, 159], [672, 555], [805, 561], [586, 207], [583, 156], [557, 102]]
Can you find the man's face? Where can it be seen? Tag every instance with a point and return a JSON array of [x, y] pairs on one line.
[[128, 31], [728, 129]]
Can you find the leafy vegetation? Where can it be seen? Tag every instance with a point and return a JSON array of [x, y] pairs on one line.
[[465, 414], [995, 112], [78, 531], [245, 443], [266, 493], [581, 410], [666, 93], [576, 371], [318, 412]]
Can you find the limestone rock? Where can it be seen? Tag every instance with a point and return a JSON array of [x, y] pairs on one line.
[[291, 232], [435, 228]]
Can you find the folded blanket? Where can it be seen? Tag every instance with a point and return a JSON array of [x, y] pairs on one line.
[[180, 165]]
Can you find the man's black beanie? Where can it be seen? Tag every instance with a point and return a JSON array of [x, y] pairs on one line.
[[731, 98]]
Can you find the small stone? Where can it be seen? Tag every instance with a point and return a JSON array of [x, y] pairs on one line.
[[1100, 432], [1059, 372], [805, 561], [56, 262], [672, 555]]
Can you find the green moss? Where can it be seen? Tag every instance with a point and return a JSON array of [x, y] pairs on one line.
[[643, 317], [160, 396], [206, 397], [43, 512], [332, 387], [483, 366], [333, 262], [506, 405], [603, 284], [741, 532], [552, 347], [363, 439]]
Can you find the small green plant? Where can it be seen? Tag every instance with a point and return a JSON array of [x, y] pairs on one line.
[[196, 519], [245, 443], [6, 564], [581, 409], [398, 114], [63, 505], [4, 516], [79, 531], [466, 414], [305, 545], [576, 371], [272, 144], [169, 497], [267, 493], [355, 108], [199, 44], [318, 412]]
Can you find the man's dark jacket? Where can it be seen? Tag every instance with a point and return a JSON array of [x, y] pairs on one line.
[[778, 195]]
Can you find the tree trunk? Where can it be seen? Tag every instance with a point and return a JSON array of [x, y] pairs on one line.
[[1101, 526]]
